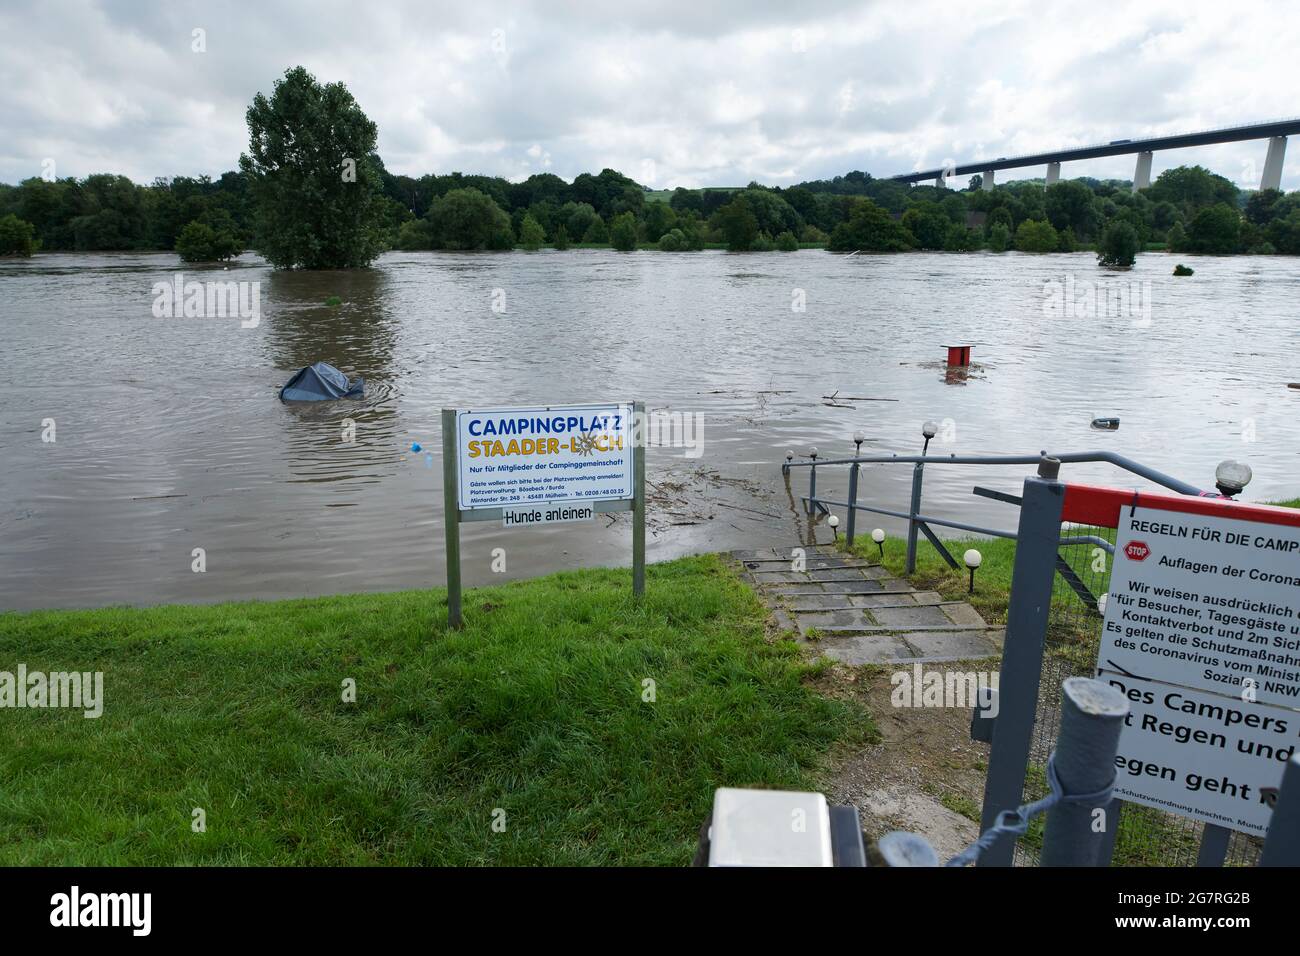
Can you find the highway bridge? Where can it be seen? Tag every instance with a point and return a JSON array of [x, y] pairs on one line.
[[1275, 131]]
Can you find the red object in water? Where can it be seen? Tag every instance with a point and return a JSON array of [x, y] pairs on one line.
[[958, 356]]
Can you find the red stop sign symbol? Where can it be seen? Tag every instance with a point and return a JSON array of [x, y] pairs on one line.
[[1136, 550]]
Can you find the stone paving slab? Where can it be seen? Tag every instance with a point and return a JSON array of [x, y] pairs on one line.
[[867, 649], [861, 614]]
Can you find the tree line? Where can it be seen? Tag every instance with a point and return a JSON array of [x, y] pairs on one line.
[[312, 192]]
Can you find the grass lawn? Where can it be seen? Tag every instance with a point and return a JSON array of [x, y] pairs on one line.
[[536, 709]]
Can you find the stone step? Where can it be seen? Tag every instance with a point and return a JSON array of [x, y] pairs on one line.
[[813, 564], [916, 647], [861, 614], [822, 609]]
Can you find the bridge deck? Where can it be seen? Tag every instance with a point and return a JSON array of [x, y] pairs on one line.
[[1229, 134]]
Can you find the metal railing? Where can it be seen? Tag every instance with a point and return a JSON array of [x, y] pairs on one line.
[[918, 523]]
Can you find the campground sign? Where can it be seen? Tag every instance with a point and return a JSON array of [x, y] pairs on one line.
[[542, 464], [522, 457], [1202, 636]]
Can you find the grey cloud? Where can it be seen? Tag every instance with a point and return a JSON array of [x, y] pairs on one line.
[[716, 93]]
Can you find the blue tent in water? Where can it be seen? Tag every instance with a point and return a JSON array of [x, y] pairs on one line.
[[321, 382]]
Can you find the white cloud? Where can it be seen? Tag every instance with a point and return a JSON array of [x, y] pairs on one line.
[[717, 93]]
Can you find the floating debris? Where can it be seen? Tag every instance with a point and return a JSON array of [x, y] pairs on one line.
[[853, 398], [1105, 424]]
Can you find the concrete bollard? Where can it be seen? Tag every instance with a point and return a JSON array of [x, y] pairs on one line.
[[1092, 715]]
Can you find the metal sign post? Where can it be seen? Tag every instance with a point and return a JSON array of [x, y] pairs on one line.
[[542, 465]]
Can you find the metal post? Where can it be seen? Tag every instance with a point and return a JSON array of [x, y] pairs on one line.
[[812, 488], [638, 502], [1106, 848], [1022, 654], [1092, 715], [1214, 845], [1282, 844], [853, 501], [451, 516], [918, 472]]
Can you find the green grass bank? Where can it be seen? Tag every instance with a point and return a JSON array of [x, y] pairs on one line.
[[536, 715]]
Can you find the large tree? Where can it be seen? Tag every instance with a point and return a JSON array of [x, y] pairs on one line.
[[318, 193]]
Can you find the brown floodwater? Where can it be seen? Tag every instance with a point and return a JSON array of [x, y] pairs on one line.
[[169, 435]]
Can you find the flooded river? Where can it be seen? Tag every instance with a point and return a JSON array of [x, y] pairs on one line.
[[129, 440]]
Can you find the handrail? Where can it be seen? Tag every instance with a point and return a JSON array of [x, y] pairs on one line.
[[1109, 457], [920, 523]]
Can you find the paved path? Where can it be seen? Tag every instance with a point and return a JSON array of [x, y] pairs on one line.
[[859, 614]]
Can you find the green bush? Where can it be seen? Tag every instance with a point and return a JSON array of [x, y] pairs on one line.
[[1176, 238], [1215, 230], [16, 237], [622, 234], [597, 233], [1036, 235], [531, 234], [561, 240], [999, 237], [414, 235], [961, 239], [869, 229], [199, 242], [1118, 247], [469, 219], [672, 241], [786, 242], [811, 233], [738, 225]]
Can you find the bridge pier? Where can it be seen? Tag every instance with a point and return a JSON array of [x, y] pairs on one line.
[[1053, 173], [1142, 174], [939, 183], [1272, 178], [986, 179]]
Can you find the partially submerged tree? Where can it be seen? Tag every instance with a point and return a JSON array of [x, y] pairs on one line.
[[318, 194], [199, 242], [1036, 235], [531, 234], [16, 237], [622, 232], [1118, 247]]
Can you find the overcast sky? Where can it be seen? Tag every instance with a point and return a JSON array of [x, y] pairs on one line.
[[673, 94]]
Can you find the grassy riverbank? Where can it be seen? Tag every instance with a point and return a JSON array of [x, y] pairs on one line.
[[535, 709]]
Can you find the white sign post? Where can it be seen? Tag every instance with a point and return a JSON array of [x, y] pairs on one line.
[[541, 465], [1202, 634]]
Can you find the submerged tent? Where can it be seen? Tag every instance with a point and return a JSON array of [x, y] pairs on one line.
[[319, 382]]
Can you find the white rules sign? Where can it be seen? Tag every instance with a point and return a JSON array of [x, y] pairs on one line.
[[1201, 755], [1206, 602], [1202, 635]]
